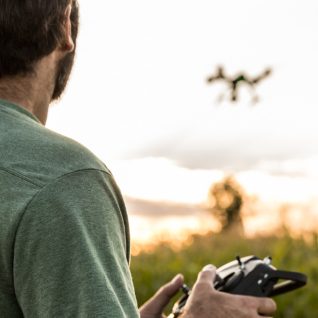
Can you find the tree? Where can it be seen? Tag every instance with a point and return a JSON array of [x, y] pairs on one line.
[[225, 200]]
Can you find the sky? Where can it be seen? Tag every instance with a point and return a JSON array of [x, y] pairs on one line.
[[139, 99]]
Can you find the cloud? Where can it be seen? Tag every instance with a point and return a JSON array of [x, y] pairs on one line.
[[274, 154], [163, 209]]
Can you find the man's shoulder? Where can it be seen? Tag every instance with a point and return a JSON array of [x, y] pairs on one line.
[[42, 155], [68, 155]]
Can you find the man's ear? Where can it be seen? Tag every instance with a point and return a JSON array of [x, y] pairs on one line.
[[68, 43]]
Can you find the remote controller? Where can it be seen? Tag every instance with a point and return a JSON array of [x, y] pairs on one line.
[[251, 276]]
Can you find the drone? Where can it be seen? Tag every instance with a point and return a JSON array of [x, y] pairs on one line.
[[235, 82]]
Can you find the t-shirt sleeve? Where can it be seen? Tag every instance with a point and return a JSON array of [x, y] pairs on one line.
[[70, 253]]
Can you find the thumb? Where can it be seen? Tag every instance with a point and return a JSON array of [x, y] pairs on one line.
[[163, 296], [206, 276]]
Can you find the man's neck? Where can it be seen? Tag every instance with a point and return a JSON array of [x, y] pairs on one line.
[[32, 92]]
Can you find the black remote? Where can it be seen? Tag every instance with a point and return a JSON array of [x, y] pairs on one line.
[[251, 276]]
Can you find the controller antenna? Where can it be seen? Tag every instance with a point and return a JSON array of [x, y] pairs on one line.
[[185, 289], [238, 258], [268, 260]]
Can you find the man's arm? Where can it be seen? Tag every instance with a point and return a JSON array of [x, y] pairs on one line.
[[70, 253]]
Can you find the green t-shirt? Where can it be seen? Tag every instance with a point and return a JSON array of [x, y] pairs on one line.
[[64, 235]]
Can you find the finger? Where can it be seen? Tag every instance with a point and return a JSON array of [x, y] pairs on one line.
[[267, 306], [207, 275], [170, 289], [160, 300], [163, 296]]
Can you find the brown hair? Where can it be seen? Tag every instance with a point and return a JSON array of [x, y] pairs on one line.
[[30, 30]]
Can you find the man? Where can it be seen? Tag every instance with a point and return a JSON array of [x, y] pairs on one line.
[[64, 233]]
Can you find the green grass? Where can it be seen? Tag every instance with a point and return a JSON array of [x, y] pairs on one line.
[[151, 270]]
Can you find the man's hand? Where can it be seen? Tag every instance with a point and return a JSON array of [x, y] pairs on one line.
[[206, 302], [154, 307]]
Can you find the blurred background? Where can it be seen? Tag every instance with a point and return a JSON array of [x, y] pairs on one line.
[[205, 176]]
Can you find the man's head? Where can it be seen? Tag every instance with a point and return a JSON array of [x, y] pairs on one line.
[[31, 30]]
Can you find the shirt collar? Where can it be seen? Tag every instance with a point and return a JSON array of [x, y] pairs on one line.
[[17, 108]]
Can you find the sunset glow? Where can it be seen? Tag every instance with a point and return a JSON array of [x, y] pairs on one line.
[[138, 98]]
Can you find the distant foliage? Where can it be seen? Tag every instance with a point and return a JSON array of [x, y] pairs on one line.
[[225, 200], [151, 270]]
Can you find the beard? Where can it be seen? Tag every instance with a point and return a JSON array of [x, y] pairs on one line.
[[64, 69], [65, 65]]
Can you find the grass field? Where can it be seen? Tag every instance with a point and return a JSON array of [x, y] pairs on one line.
[[152, 269]]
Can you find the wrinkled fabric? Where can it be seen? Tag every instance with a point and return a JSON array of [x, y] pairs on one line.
[[64, 233]]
